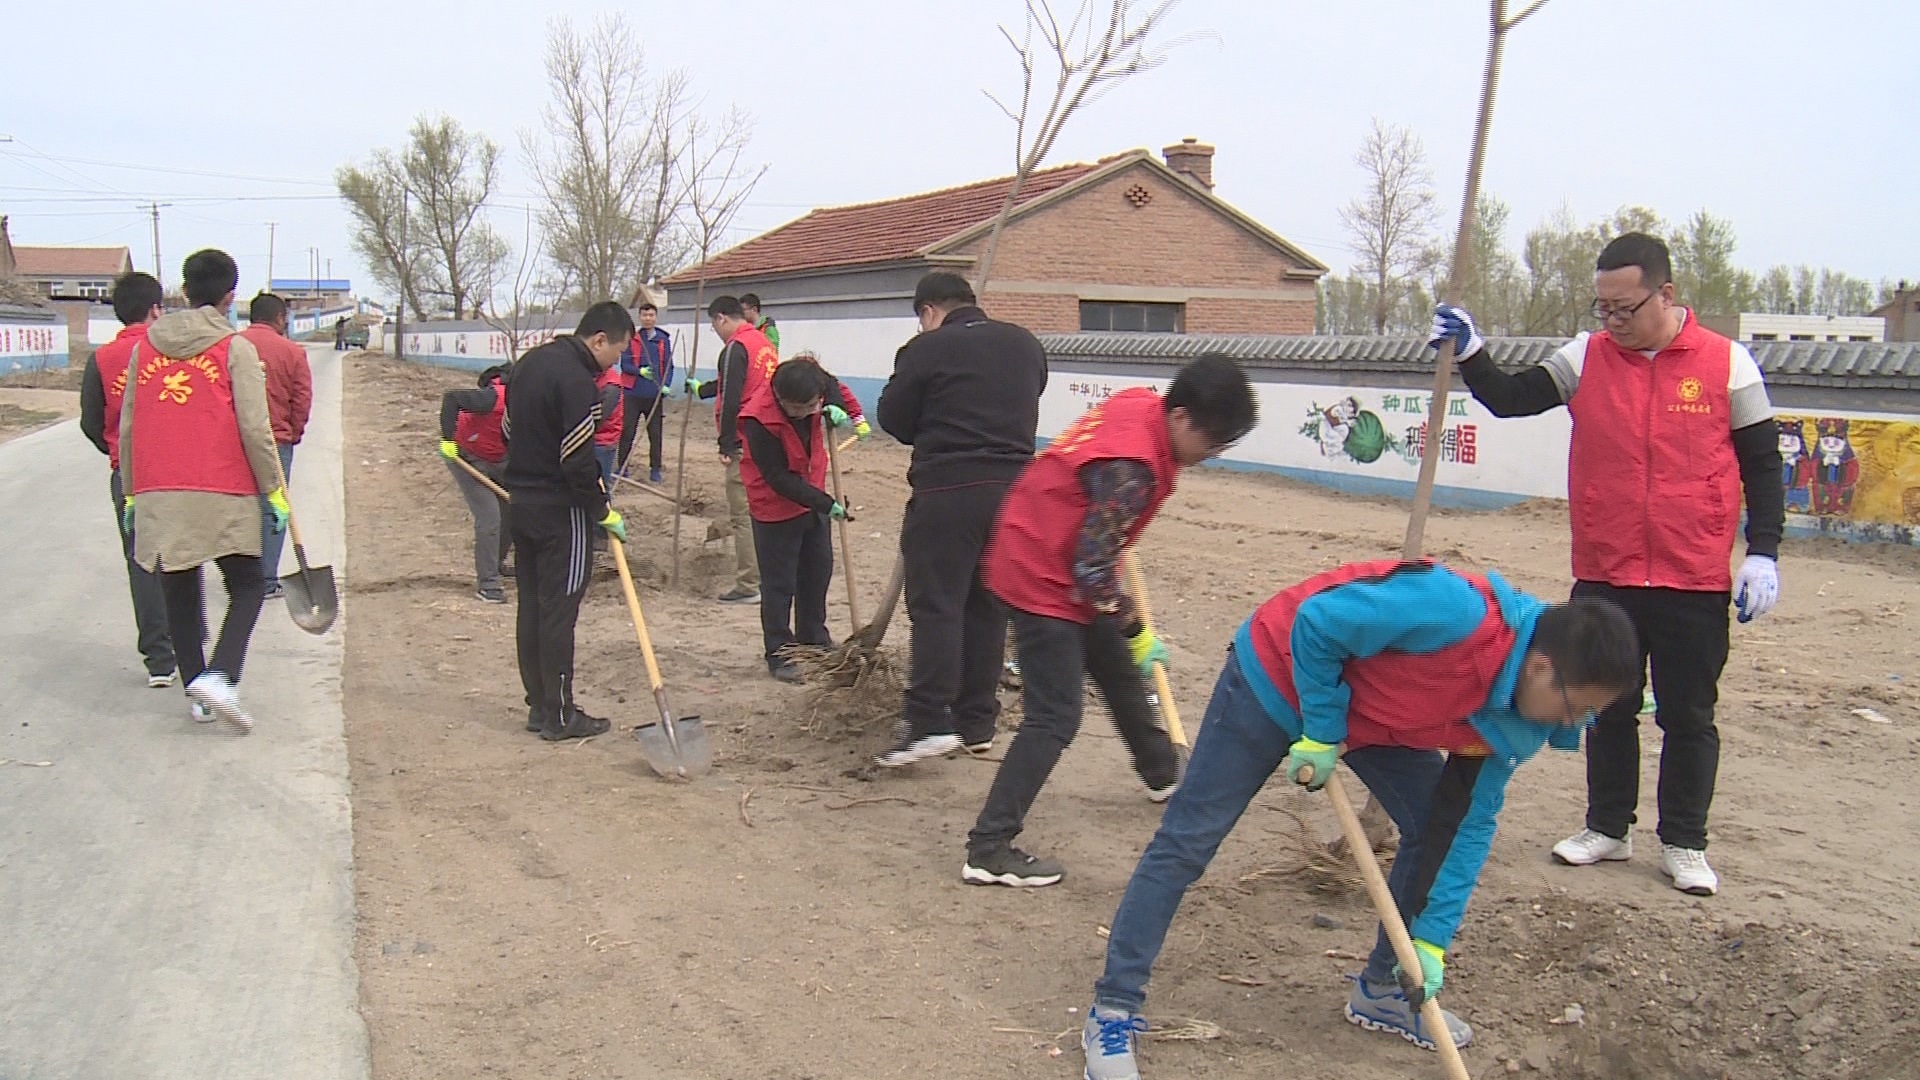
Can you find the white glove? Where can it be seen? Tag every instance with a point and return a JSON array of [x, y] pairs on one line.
[[1756, 588], [1454, 323]]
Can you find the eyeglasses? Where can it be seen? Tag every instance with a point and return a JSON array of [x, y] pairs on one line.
[[1579, 717], [1605, 312]]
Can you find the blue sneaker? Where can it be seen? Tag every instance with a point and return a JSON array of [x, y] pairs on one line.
[[1109, 1040], [1385, 1008]]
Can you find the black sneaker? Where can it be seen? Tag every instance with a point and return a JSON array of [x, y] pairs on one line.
[[533, 719], [786, 672], [494, 595], [581, 726], [507, 570], [910, 748], [738, 595], [1008, 865]]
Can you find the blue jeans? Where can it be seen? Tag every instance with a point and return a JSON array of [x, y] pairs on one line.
[[605, 455], [1238, 748], [271, 543]]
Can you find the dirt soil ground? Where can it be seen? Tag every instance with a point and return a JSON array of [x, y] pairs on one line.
[[27, 410], [536, 910]]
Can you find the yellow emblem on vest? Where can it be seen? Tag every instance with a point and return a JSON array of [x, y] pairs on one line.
[[1690, 389]]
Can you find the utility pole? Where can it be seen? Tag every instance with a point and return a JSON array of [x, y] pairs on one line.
[[271, 225], [313, 264], [154, 208], [400, 309]]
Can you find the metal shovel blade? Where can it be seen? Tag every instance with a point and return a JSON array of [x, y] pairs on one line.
[[680, 754], [312, 598]]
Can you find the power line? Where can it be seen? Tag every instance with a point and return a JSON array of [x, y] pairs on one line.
[[185, 172]]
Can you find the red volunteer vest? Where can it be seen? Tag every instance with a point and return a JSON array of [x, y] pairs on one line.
[[1029, 563], [762, 358], [481, 434], [764, 504], [608, 433], [189, 435], [111, 361], [1416, 700], [1653, 483]]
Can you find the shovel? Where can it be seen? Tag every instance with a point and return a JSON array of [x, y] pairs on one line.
[[674, 748], [312, 598], [846, 549], [1163, 692]]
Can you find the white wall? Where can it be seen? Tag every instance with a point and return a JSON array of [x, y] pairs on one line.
[[1814, 327], [26, 346]]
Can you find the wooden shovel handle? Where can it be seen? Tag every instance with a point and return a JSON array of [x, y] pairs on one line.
[[846, 549], [633, 608], [1137, 585]]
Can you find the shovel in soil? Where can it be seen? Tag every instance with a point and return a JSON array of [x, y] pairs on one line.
[[675, 748], [312, 598]]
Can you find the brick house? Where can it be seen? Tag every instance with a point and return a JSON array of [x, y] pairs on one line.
[[71, 273], [1130, 242]]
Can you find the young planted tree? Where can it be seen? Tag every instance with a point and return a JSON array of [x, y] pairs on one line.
[[1391, 221]]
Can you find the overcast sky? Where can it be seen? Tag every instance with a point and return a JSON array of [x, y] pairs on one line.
[[1795, 120]]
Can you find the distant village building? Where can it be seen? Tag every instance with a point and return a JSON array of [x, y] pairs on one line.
[[313, 292], [71, 273], [1762, 326], [1902, 313]]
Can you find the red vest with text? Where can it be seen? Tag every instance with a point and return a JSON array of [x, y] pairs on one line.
[[762, 358], [762, 501], [480, 434], [111, 361], [608, 433], [1029, 561], [188, 435], [1653, 483], [1418, 700]]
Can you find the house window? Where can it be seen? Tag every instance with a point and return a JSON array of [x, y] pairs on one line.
[[1134, 318], [1766, 337], [1799, 337], [1860, 337]]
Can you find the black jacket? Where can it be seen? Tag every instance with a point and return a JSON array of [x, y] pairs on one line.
[[966, 397], [552, 408]]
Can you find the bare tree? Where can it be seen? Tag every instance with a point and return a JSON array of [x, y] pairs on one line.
[[450, 174], [1392, 220], [716, 183], [1103, 43], [532, 296], [382, 235], [604, 163]]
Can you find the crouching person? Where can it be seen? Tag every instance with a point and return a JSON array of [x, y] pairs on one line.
[[1398, 662]]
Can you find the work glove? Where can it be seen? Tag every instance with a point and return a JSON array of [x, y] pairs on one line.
[[862, 429], [1433, 972], [277, 504], [1147, 649], [449, 449], [126, 514], [839, 512], [1757, 587], [1309, 753], [615, 524], [1454, 323], [693, 386], [836, 415], [646, 373]]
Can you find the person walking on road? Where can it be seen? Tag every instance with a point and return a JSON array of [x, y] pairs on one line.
[[1392, 663], [750, 306], [1671, 426], [472, 430], [136, 303], [646, 371], [289, 403], [553, 408], [746, 364], [1055, 560], [965, 394], [196, 452]]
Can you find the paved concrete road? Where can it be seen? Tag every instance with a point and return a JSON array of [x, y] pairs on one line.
[[173, 902]]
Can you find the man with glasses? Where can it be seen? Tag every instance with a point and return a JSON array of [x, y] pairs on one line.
[[1392, 663], [965, 394], [1671, 425]]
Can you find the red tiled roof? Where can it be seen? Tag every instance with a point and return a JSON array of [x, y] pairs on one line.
[[879, 232], [70, 261]]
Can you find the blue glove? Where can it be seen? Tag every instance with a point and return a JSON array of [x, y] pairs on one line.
[[1453, 323], [1433, 973], [839, 512], [1757, 587], [126, 514], [836, 415], [1320, 757]]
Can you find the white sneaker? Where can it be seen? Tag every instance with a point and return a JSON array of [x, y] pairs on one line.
[[911, 749], [1587, 847], [1689, 870], [212, 690], [161, 682], [200, 713]]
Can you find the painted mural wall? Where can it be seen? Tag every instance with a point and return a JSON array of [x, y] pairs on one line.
[[1856, 476], [32, 346]]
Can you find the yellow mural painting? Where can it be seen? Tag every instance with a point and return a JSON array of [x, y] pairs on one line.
[[1851, 470]]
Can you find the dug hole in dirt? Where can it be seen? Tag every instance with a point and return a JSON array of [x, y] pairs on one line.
[[529, 909]]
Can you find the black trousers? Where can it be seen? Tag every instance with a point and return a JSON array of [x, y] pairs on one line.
[[637, 407], [1055, 657], [959, 628], [1685, 636], [796, 566], [149, 607], [551, 544], [185, 596]]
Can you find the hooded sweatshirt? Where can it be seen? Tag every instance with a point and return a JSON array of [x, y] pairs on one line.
[[180, 530]]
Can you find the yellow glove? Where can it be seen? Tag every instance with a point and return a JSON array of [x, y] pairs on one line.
[[862, 429], [277, 503], [615, 524], [449, 449], [1311, 754]]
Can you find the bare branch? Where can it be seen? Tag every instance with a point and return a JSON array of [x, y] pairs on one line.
[[1528, 10]]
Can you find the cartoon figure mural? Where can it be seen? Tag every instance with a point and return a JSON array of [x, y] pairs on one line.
[[1796, 466], [1345, 430], [1835, 468]]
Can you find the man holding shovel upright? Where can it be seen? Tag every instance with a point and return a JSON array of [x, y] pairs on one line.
[[1055, 560], [472, 431], [746, 364], [1671, 424], [1396, 662], [289, 403], [965, 394], [646, 372], [553, 408], [196, 451]]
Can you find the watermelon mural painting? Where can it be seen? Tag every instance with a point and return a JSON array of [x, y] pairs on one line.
[[1345, 430]]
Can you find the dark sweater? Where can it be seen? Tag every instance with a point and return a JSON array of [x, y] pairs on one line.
[[966, 397], [552, 408]]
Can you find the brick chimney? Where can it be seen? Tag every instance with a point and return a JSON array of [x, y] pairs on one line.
[[1192, 159]]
